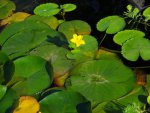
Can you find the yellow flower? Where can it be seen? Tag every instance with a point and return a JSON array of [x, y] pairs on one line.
[[78, 40], [27, 104]]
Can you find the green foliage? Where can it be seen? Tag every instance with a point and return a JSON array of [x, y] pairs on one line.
[[74, 27], [2, 91], [47, 9], [6, 8], [62, 101], [68, 7], [96, 79], [146, 14], [111, 24]]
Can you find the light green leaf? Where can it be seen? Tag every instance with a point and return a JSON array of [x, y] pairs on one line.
[[136, 47], [146, 14], [111, 24], [2, 91], [74, 27], [97, 79], [68, 7], [122, 36], [6, 8], [32, 75], [47, 9], [68, 102]]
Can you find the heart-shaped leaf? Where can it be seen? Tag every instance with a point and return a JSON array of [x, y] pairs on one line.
[[111, 24], [97, 79], [68, 102], [122, 36], [2, 91], [47, 9], [6, 8], [136, 47], [68, 7], [74, 27], [146, 14], [32, 75]]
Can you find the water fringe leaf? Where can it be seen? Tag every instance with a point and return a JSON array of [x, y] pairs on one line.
[[6, 8], [96, 79], [27, 104], [68, 7], [122, 36], [47, 9], [111, 24], [2, 91], [51, 20], [136, 47], [146, 14], [74, 27], [16, 17], [67, 100], [35, 76], [56, 56]]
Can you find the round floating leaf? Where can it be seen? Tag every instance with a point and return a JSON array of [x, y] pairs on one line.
[[68, 7], [122, 36], [19, 38], [97, 79], [7, 101], [136, 47], [32, 75], [47, 9], [111, 24], [146, 14], [74, 27], [56, 56], [6, 8], [2, 91], [68, 102], [16, 17], [51, 20]]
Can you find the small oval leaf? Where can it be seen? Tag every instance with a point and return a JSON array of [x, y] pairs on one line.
[[68, 7], [146, 14]]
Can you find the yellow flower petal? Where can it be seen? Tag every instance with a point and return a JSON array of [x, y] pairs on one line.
[[78, 40], [27, 104]]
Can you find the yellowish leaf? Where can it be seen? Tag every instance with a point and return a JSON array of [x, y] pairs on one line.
[[16, 17], [27, 104]]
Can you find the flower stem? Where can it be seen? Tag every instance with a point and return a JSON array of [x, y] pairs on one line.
[[102, 40]]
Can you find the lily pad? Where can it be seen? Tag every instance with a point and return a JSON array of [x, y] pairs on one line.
[[98, 78], [74, 27], [136, 47], [122, 36], [32, 75], [47, 9], [56, 56], [111, 24], [146, 14], [68, 7], [6, 8], [68, 102], [2, 91], [51, 20]]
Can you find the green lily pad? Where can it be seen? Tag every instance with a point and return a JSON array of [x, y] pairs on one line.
[[122, 36], [136, 47], [98, 78], [7, 101], [6, 8], [146, 14], [74, 27], [51, 20], [68, 7], [68, 102], [2, 91], [32, 75], [19, 38], [56, 56], [111, 24], [47, 9]]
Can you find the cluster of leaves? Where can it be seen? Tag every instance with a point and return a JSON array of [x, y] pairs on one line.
[[61, 65]]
